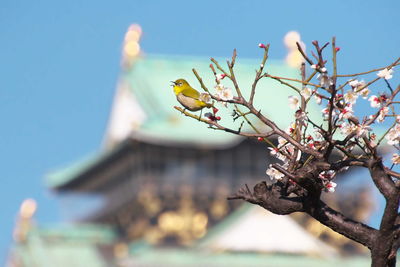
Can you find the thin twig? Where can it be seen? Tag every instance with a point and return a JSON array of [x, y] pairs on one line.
[[397, 62]]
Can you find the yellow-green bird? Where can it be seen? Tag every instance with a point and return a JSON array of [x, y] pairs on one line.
[[189, 97]]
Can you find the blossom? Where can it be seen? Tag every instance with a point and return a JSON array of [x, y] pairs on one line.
[[354, 83], [376, 101], [293, 102], [330, 187], [318, 99], [261, 45], [306, 92], [325, 113], [275, 152], [382, 114], [350, 97], [290, 129], [347, 128], [324, 80], [220, 76], [385, 73], [274, 173], [361, 130], [300, 115], [284, 145], [327, 175], [364, 92], [225, 93], [317, 134], [346, 112], [393, 135], [360, 88], [396, 158]]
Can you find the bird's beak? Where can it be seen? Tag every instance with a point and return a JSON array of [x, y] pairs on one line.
[[173, 83]]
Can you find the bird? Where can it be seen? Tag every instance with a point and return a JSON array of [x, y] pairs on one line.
[[189, 97]]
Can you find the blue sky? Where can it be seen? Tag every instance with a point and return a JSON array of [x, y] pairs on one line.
[[59, 63]]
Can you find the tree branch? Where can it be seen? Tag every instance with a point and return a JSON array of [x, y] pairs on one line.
[[273, 198]]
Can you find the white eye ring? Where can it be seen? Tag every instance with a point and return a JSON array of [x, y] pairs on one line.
[[180, 84]]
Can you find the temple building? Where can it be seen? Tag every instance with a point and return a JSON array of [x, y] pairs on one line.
[[162, 178]]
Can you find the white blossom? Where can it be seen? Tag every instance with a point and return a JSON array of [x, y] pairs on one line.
[[385, 73], [382, 114], [354, 83], [346, 112], [362, 130], [317, 134], [290, 129], [225, 93], [396, 158], [350, 97], [274, 173], [359, 87], [393, 135], [364, 93], [318, 99], [293, 102], [375, 101], [301, 116], [275, 152], [306, 93], [347, 128], [284, 145], [324, 80], [325, 113]]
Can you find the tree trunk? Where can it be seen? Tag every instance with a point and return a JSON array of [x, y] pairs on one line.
[[380, 258]]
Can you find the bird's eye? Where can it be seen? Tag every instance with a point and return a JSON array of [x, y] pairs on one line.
[[180, 84]]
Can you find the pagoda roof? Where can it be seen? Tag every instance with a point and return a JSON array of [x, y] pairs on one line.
[[143, 107]]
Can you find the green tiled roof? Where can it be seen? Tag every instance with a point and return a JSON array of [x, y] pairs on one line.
[[93, 245], [64, 246], [194, 257], [149, 80]]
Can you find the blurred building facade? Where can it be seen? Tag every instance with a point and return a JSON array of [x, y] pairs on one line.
[[161, 177]]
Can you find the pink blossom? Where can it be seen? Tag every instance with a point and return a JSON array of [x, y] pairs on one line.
[[330, 187]]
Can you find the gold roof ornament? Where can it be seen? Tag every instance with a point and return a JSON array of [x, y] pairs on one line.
[[294, 57], [24, 219], [131, 47]]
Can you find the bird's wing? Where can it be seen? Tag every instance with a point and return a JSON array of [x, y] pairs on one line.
[[191, 93]]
